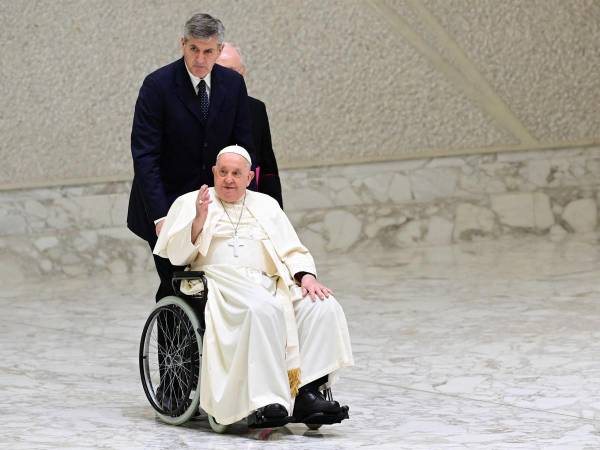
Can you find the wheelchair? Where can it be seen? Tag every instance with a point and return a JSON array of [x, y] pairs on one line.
[[170, 359]]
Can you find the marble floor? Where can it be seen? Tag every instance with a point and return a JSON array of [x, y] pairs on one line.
[[488, 345]]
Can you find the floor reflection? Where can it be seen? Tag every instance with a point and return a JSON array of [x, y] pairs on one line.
[[480, 345]]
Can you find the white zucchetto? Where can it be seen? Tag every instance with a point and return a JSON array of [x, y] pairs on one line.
[[238, 151]]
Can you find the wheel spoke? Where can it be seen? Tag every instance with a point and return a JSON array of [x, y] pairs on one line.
[[159, 348], [166, 330]]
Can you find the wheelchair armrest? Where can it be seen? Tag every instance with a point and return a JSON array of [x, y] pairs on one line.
[[188, 275]]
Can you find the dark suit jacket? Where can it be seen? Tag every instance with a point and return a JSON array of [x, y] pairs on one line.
[[173, 149], [268, 177]]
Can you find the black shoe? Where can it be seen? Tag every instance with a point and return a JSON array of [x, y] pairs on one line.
[[270, 416], [309, 402], [315, 420], [274, 411]]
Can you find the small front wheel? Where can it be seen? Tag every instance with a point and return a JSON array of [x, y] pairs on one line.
[[216, 426]]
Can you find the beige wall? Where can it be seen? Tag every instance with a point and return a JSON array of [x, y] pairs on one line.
[[344, 81]]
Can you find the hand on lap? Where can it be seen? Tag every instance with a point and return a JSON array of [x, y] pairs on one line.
[[312, 287]]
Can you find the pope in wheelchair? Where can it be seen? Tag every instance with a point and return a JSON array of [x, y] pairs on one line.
[[252, 335]]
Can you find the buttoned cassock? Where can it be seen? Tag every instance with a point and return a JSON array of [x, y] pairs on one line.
[[261, 342]]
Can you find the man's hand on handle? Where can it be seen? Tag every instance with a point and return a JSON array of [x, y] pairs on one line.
[[159, 226]]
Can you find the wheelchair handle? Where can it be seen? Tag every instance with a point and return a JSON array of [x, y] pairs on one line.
[[188, 275]]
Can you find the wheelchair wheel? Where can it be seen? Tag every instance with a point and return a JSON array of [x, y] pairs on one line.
[[216, 426], [170, 360]]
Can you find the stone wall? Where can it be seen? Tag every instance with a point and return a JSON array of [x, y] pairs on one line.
[[77, 230], [446, 200], [344, 81]]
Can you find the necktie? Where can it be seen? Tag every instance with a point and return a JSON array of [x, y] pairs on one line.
[[203, 99]]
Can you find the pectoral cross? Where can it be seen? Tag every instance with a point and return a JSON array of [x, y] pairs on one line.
[[235, 243]]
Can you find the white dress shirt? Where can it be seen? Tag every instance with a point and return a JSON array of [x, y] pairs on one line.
[[195, 80]]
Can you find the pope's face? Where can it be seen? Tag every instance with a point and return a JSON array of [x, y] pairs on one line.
[[232, 177], [200, 55]]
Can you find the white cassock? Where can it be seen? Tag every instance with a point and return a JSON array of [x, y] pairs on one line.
[[263, 340]]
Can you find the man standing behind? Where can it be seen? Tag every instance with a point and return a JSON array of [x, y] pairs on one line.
[[267, 174], [185, 113]]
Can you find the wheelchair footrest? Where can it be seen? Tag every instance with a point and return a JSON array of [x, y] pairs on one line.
[[322, 418]]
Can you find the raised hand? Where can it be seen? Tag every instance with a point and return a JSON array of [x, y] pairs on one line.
[[202, 202]]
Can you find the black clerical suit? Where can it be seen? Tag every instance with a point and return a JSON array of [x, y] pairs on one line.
[[268, 175]]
